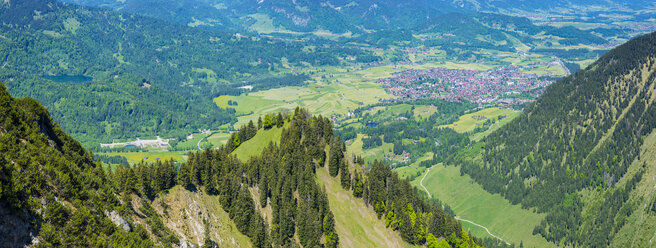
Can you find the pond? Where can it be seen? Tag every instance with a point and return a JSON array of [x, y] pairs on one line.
[[68, 78], [371, 124]]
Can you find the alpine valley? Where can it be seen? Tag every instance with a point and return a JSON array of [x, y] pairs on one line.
[[361, 123]]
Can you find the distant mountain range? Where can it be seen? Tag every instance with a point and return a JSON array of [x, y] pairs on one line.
[[341, 16]]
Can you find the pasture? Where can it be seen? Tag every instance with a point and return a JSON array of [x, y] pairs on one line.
[[471, 202], [470, 121], [256, 145]]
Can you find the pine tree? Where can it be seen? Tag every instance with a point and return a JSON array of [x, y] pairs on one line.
[[268, 122], [184, 176], [236, 141], [335, 158], [345, 176], [431, 241], [332, 239], [358, 184], [211, 187], [279, 120], [251, 130]]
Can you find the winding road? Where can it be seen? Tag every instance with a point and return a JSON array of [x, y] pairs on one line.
[[421, 182]]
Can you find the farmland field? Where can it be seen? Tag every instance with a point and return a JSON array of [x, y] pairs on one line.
[[470, 121], [335, 95], [355, 147]]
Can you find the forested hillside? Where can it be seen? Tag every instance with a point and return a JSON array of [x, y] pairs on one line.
[[575, 153], [108, 75], [357, 18], [52, 191]]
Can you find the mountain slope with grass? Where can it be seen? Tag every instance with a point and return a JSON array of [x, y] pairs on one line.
[[578, 153], [54, 194]]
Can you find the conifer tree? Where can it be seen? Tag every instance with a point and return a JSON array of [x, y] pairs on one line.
[[345, 175], [335, 158], [184, 175]]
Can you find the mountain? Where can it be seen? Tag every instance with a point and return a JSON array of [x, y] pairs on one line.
[[373, 22], [54, 194], [107, 75], [50, 184], [569, 6], [188, 12], [583, 153], [294, 15], [344, 16]]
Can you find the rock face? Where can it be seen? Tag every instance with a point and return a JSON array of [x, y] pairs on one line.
[[16, 228], [118, 220]]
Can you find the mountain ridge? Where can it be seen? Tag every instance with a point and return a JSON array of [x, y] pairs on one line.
[[582, 134]]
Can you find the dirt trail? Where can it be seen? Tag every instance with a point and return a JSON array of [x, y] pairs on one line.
[[458, 217]]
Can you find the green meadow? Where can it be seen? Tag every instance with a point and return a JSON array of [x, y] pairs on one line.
[[355, 222], [255, 145], [470, 121], [355, 147], [471, 202]]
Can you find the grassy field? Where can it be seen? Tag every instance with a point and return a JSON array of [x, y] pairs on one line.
[[218, 139], [424, 111], [357, 225], [413, 170], [192, 144], [495, 126], [551, 69], [152, 156], [337, 96], [355, 147], [471, 202], [255, 145], [470, 121]]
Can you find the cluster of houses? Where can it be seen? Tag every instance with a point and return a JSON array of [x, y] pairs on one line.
[[455, 84]]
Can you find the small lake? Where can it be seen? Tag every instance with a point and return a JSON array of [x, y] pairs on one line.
[[77, 79], [372, 124]]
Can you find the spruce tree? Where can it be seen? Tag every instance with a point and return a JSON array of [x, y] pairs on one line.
[[335, 158], [345, 176], [184, 175]]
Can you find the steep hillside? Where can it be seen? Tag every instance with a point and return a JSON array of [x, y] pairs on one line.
[[355, 222], [573, 153], [54, 194], [196, 216], [51, 190]]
